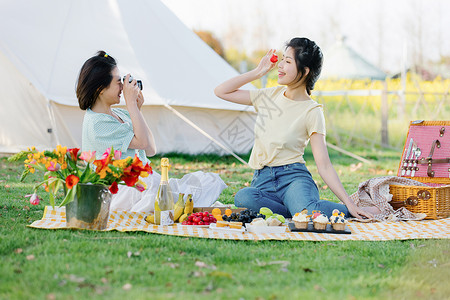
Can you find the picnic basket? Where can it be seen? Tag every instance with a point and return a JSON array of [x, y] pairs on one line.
[[425, 158]]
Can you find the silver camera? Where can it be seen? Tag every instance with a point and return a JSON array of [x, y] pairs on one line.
[[139, 82]]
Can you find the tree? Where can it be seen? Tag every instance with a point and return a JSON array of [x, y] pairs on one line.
[[212, 41]]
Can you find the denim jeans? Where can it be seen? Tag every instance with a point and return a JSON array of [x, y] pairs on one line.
[[286, 190]]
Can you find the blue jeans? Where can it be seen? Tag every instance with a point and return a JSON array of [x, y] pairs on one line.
[[286, 190]]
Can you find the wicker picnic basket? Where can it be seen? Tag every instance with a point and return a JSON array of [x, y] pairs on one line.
[[425, 158]]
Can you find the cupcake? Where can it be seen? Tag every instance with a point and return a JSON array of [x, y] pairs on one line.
[[338, 220], [320, 221], [301, 219]]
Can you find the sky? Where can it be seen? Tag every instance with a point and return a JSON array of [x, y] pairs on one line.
[[384, 32]]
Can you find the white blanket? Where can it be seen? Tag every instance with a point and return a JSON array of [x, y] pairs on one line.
[[204, 187]]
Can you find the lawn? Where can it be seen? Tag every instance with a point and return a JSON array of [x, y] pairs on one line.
[[73, 264]]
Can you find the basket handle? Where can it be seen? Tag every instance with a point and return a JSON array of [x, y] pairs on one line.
[[412, 201], [430, 161]]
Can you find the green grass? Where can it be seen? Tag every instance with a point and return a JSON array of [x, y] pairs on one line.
[[72, 264]]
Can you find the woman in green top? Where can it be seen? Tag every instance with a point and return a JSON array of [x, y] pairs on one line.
[[99, 87], [287, 120]]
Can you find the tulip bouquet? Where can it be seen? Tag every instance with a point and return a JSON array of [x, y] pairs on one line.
[[69, 167]]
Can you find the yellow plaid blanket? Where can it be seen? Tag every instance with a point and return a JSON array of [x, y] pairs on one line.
[[383, 231]]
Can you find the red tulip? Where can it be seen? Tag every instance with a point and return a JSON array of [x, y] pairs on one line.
[[71, 181], [34, 199], [74, 153], [130, 180], [114, 188]]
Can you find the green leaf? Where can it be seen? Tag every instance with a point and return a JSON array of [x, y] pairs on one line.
[[85, 175], [52, 199], [24, 174], [50, 154], [58, 185], [72, 164], [69, 196]]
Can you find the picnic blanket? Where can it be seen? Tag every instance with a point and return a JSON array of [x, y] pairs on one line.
[[381, 231]]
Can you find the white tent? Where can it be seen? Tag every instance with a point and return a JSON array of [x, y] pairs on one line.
[[44, 43], [341, 61]]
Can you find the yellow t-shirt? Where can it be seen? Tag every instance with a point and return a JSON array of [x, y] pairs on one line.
[[283, 127]]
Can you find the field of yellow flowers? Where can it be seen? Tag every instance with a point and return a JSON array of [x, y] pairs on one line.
[[354, 108]]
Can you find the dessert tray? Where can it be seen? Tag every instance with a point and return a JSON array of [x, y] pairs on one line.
[[310, 228]]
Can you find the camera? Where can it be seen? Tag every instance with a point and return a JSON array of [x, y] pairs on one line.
[[138, 82]]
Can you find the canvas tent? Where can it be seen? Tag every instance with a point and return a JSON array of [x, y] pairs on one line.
[[43, 45], [341, 61]]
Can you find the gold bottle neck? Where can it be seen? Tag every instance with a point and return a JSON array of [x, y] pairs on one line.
[[165, 169]]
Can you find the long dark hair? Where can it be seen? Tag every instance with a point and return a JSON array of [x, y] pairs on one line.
[[307, 55], [95, 75]]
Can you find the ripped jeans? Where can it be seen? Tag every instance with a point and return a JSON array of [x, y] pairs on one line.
[[286, 190]]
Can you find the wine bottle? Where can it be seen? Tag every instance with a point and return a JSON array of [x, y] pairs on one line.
[[164, 210]]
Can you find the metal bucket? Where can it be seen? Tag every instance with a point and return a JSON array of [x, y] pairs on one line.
[[89, 208]]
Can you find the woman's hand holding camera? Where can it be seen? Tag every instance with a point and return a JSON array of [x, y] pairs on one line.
[[131, 92]]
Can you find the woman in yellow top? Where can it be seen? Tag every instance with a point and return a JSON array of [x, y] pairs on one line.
[[287, 120]]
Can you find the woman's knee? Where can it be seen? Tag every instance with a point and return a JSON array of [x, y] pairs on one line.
[[301, 195], [245, 196]]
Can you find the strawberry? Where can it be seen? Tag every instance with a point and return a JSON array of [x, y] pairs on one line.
[[274, 58]]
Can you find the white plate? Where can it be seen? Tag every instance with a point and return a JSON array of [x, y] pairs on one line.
[[265, 229], [227, 229]]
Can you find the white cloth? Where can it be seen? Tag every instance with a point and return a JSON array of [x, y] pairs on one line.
[[204, 187]]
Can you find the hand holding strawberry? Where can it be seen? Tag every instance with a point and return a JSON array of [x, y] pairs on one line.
[[266, 63]]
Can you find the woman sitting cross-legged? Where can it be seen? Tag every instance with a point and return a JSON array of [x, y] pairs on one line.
[[287, 120]]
